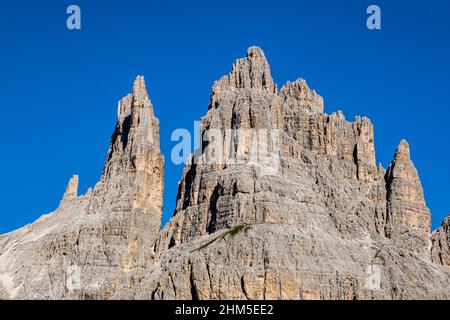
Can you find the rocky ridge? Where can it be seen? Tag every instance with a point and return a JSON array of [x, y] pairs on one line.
[[325, 222], [86, 248]]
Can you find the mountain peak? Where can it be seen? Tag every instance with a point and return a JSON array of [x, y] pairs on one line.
[[403, 150], [134, 153], [310, 216], [440, 250], [139, 89], [71, 189], [251, 72], [408, 218], [255, 52], [299, 96]]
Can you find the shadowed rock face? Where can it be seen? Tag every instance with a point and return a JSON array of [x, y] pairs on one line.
[[320, 222]]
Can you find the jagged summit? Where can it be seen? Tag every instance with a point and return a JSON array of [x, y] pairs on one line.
[[140, 89], [134, 163], [255, 53], [103, 235], [402, 167], [137, 130], [440, 251], [72, 188], [408, 218], [327, 193], [251, 72], [402, 150], [323, 223]]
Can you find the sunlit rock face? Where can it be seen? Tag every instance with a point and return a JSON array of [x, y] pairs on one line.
[[408, 218], [91, 243], [440, 251], [315, 219], [328, 223]]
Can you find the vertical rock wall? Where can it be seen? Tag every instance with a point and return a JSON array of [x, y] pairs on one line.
[[94, 243]]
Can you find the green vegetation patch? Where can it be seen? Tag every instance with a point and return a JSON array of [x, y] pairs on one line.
[[232, 232]]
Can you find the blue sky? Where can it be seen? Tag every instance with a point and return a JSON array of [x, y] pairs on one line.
[[59, 88]]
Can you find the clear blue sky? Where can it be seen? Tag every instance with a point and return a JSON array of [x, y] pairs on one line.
[[59, 88]]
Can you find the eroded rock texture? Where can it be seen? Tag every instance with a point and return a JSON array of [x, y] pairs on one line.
[[327, 224], [91, 243], [315, 219], [440, 251], [408, 218]]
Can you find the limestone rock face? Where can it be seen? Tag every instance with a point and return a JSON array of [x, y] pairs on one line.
[[320, 222], [298, 96], [408, 218], [94, 242], [71, 190], [440, 251], [134, 151], [253, 71], [317, 155], [282, 201]]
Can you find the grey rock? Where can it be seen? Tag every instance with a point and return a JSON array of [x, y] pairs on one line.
[[327, 225], [440, 250], [323, 223], [408, 218], [87, 246]]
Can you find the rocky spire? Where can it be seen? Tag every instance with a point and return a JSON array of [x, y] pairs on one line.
[[134, 163], [298, 96], [408, 218], [129, 193], [71, 190], [251, 72], [310, 229], [107, 234], [440, 249], [137, 129]]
